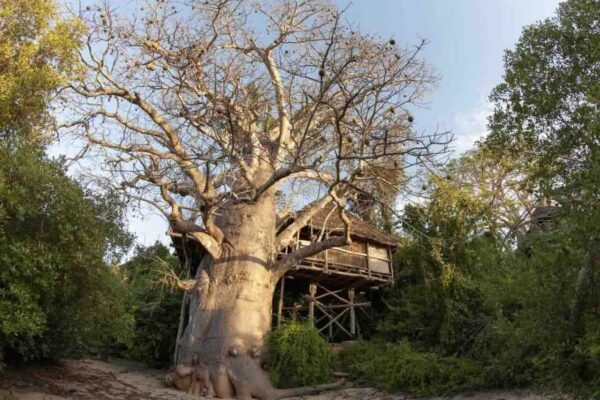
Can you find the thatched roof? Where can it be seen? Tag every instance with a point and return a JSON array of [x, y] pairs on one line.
[[328, 218]]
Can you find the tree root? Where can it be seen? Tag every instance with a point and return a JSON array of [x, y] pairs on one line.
[[238, 375], [193, 379]]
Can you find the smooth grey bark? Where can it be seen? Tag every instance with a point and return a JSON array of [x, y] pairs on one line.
[[222, 349], [230, 305]]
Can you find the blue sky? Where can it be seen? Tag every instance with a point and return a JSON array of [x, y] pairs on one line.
[[467, 39]]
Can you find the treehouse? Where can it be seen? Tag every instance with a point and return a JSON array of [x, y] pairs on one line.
[[332, 289], [332, 279]]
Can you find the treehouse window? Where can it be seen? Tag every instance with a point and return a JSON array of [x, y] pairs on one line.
[[379, 260]]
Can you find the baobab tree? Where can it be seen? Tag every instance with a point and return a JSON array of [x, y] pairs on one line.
[[205, 110]]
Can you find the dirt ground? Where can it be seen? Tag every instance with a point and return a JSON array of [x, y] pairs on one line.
[[117, 379]]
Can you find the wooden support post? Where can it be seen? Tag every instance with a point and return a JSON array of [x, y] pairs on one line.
[[181, 327], [335, 319], [368, 259], [280, 303], [326, 254], [312, 291], [352, 313], [391, 264]]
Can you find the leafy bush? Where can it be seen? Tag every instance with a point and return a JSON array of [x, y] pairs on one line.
[[58, 297], [299, 356], [436, 302], [530, 341], [156, 331], [508, 314], [587, 357], [156, 311], [398, 367], [440, 317]]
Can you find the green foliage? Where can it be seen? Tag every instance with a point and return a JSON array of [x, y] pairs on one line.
[[586, 356], [156, 310], [462, 291], [398, 367], [530, 340], [57, 295], [298, 356], [435, 303], [38, 53], [507, 318], [504, 310], [547, 106], [440, 318]]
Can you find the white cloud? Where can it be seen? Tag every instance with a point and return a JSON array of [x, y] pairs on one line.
[[469, 126]]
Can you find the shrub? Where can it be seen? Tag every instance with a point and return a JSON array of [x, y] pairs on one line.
[[156, 331], [435, 317], [156, 310], [58, 298], [398, 367], [299, 356], [530, 341]]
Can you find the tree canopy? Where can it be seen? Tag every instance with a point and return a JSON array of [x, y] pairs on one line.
[[38, 52], [549, 103], [57, 296], [197, 107]]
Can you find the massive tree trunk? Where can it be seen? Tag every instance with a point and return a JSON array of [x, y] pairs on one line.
[[222, 348], [197, 115], [230, 316], [231, 303], [228, 309]]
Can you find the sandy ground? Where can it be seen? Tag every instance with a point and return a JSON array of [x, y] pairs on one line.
[[118, 379]]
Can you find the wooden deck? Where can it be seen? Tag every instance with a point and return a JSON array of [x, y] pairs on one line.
[[360, 266]]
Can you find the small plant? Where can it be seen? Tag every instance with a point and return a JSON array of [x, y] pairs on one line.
[[299, 356]]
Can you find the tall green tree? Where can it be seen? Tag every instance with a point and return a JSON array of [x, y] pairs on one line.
[[38, 52], [549, 102], [549, 107], [463, 291], [497, 180], [57, 295], [435, 302]]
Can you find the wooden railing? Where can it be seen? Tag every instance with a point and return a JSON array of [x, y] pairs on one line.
[[342, 260]]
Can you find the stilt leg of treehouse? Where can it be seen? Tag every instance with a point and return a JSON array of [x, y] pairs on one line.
[[352, 313], [280, 303], [312, 291]]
